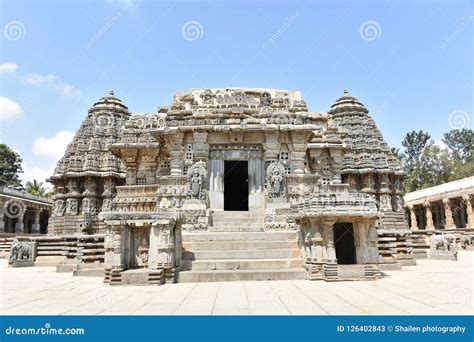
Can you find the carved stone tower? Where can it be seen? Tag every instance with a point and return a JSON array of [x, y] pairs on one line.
[[85, 177]]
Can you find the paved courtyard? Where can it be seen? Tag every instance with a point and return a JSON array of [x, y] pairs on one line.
[[431, 288]]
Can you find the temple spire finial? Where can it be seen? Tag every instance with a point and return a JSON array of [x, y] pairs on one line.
[[346, 92], [111, 92]]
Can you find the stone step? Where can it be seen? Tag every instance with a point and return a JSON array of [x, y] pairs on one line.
[[227, 264], [242, 275], [242, 254], [231, 213], [240, 245], [240, 236], [236, 228], [237, 222]]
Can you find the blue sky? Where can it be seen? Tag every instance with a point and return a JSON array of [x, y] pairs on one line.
[[410, 63]]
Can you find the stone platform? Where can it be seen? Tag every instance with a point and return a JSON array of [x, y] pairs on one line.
[[433, 287]]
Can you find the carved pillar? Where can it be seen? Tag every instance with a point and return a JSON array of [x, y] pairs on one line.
[[330, 248], [469, 219], [429, 216], [299, 152], [20, 224], [161, 245], [317, 244], [216, 175], [200, 146], [176, 154], [414, 225], [2, 216], [448, 214], [272, 146], [35, 228]]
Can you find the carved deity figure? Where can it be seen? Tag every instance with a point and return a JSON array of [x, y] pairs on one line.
[[276, 180], [59, 207], [196, 185], [71, 206], [88, 205], [266, 99], [106, 204], [197, 176]]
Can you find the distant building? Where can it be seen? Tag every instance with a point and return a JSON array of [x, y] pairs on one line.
[[445, 206], [23, 213]]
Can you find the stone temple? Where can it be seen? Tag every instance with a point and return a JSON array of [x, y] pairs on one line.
[[230, 184]]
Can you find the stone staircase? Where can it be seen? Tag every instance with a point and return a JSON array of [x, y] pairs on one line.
[[236, 248]]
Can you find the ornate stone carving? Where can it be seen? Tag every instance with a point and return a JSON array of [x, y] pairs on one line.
[[59, 207], [197, 178], [71, 206], [266, 99], [89, 205], [276, 180], [22, 253]]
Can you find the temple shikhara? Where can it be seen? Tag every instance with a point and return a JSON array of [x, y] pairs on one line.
[[229, 184]]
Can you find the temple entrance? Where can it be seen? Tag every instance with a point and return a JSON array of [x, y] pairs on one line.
[[344, 243], [139, 245], [236, 188]]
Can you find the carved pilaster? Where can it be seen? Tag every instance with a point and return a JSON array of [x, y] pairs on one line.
[[469, 219], [272, 146], [329, 236], [448, 214], [414, 225], [429, 216], [200, 146]]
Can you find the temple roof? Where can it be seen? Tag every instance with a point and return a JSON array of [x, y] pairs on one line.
[[87, 153], [369, 150], [237, 97]]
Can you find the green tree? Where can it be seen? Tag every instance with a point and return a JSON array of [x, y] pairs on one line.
[[415, 144], [37, 188], [10, 167], [396, 152], [461, 143], [436, 167]]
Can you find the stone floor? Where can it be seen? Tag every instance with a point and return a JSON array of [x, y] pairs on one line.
[[433, 287]]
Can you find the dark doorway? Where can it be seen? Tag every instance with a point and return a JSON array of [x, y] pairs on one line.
[[344, 243], [236, 189]]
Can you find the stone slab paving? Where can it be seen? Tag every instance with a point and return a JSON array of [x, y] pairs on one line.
[[433, 287]]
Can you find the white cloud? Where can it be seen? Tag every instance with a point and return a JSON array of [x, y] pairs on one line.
[[38, 79], [63, 88], [68, 90], [54, 147], [8, 68], [9, 109], [35, 172]]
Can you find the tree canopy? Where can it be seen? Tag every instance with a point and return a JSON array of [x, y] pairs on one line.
[[428, 164], [10, 167], [37, 188]]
